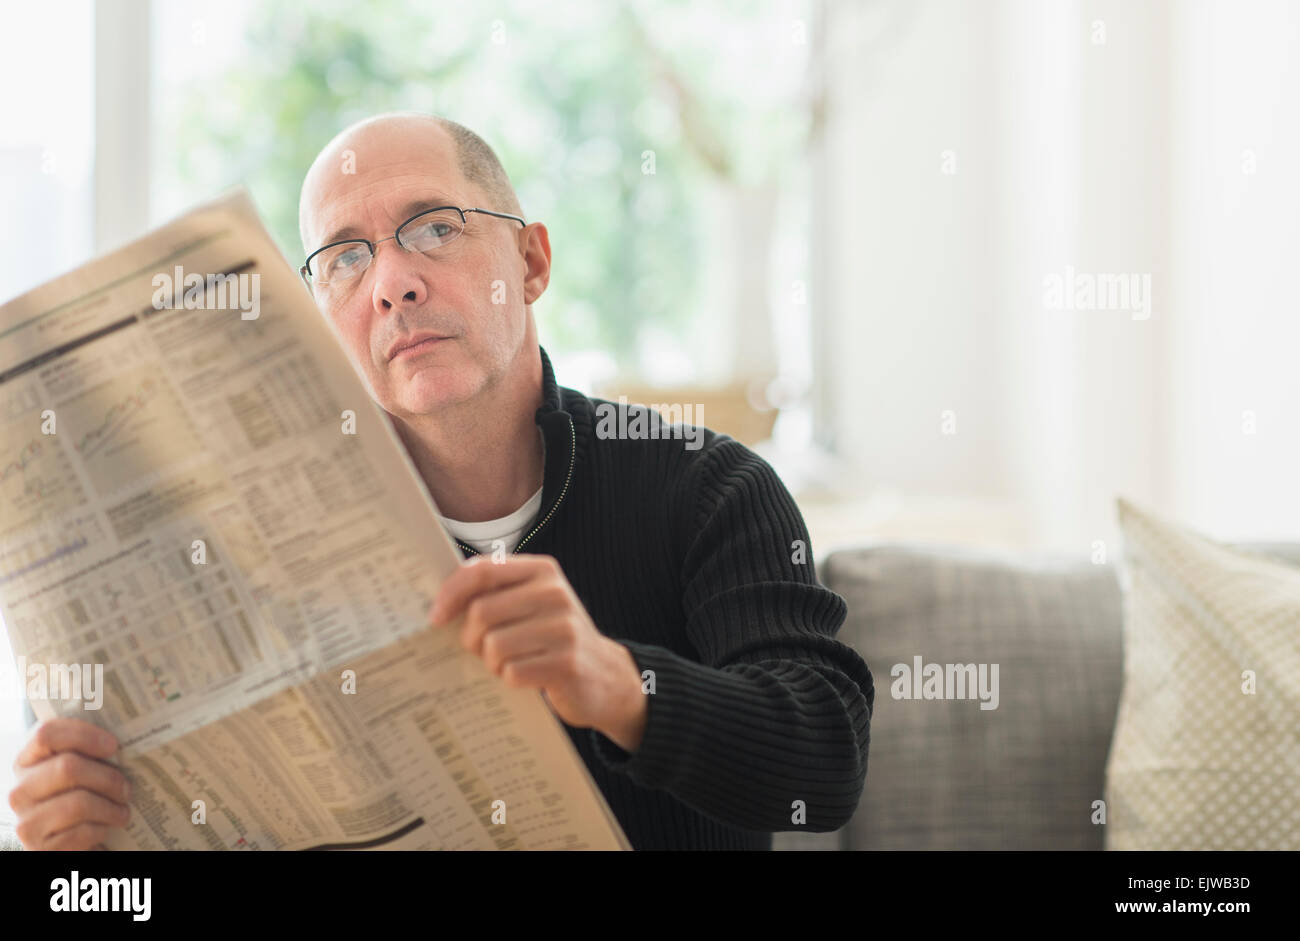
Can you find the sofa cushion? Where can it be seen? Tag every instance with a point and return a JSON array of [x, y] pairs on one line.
[[1206, 751], [946, 773]]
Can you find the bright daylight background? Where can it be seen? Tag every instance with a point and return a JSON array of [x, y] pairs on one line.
[[842, 249]]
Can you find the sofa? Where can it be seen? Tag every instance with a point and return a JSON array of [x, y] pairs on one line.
[[945, 774]]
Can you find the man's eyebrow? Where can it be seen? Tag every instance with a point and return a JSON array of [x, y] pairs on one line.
[[412, 208]]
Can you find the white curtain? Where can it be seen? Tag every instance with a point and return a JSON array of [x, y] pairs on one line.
[[975, 152]]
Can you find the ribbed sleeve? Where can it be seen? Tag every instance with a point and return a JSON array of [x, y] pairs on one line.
[[775, 711]]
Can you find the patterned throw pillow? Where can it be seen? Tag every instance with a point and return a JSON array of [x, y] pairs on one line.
[[1206, 751]]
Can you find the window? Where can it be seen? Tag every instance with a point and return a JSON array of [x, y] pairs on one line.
[[46, 164]]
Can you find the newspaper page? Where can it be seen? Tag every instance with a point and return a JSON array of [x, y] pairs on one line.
[[214, 544]]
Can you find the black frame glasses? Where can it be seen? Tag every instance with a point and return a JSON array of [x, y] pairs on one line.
[[306, 272]]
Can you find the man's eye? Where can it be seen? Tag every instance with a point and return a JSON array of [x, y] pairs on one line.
[[345, 260], [437, 231]]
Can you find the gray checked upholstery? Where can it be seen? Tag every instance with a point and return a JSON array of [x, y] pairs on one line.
[[944, 774]]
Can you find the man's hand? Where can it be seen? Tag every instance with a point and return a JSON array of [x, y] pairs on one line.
[[66, 796], [524, 619]]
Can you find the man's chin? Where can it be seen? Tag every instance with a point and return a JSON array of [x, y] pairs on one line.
[[432, 390]]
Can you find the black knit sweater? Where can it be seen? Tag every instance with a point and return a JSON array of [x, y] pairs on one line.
[[689, 558]]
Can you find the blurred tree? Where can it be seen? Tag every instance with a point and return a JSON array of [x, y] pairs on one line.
[[570, 95]]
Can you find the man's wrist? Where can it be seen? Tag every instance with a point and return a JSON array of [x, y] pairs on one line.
[[628, 727]]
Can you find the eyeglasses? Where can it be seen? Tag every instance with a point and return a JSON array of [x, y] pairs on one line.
[[424, 232]]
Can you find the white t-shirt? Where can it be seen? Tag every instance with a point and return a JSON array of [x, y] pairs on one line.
[[509, 529]]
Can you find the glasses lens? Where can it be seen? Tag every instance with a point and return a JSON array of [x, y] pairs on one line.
[[340, 262], [431, 230]]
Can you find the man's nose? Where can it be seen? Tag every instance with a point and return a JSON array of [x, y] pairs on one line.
[[397, 282]]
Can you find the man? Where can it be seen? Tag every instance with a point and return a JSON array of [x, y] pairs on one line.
[[657, 594]]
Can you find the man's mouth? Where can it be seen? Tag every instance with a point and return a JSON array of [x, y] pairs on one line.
[[414, 346]]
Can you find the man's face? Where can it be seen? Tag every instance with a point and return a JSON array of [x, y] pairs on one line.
[[400, 170]]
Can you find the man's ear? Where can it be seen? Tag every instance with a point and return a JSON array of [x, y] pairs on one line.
[[536, 247]]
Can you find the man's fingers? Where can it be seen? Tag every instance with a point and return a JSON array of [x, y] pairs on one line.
[[84, 836], [59, 735], [505, 644], [533, 671], [67, 810], [481, 574], [68, 771], [509, 605]]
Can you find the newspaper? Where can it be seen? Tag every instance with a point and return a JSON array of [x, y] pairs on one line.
[[214, 544]]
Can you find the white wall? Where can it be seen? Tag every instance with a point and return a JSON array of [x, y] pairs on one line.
[[1106, 137], [1235, 237], [905, 271]]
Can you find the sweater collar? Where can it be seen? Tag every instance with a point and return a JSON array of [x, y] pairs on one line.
[[550, 390], [561, 456]]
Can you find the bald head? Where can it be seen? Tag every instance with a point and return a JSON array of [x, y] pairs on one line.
[[475, 162]]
